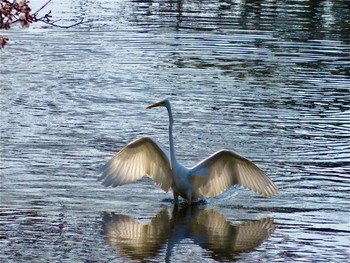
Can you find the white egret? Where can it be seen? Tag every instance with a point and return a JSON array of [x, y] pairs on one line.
[[208, 178]]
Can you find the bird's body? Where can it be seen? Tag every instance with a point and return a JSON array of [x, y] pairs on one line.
[[182, 185], [208, 178]]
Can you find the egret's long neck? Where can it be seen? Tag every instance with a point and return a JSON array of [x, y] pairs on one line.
[[171, 140]]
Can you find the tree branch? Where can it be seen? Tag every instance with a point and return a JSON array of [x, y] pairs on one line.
[[41, 8], [18, 11], [48, 22]]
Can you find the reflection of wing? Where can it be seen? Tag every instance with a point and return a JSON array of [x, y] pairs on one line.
[[251, 234], [213, 232], [206, 227], [134, 239]]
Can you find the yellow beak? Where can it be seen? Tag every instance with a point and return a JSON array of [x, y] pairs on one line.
[[154, 105]]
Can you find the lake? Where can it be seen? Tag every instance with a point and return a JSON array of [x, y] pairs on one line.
[[267, 79]]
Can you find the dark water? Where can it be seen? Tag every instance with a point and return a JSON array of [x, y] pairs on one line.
[[268, 79]]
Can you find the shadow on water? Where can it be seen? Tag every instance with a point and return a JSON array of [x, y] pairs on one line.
[[300, 21], [205, 227]]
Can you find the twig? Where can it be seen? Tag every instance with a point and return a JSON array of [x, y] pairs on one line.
[[44, 20], [41, 8]]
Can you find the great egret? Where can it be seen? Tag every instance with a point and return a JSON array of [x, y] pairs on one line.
[[208, 178]]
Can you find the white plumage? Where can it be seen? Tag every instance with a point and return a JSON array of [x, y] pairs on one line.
[[210, 177]]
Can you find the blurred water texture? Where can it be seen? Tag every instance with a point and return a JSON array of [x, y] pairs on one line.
[[268, 79]]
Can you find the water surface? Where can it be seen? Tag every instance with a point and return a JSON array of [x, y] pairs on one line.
[[268, 80]]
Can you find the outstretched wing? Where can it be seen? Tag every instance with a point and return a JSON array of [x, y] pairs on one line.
[[140, 157], [223, 169]]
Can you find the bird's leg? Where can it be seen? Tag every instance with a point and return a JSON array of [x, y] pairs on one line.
[[176, 198], [189, 196]]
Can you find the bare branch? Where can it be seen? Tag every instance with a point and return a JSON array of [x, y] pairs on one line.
[[48, 22], [41, 8], [12, 12]]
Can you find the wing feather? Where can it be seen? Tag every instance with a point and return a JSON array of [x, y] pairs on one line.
[[223, 169], [140, 157]]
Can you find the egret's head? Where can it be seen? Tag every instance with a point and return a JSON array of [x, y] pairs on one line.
[[164, 103]]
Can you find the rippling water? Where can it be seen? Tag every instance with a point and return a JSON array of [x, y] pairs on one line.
[[268, 80]]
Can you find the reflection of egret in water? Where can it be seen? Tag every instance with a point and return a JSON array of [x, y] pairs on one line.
[[206, 227]]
